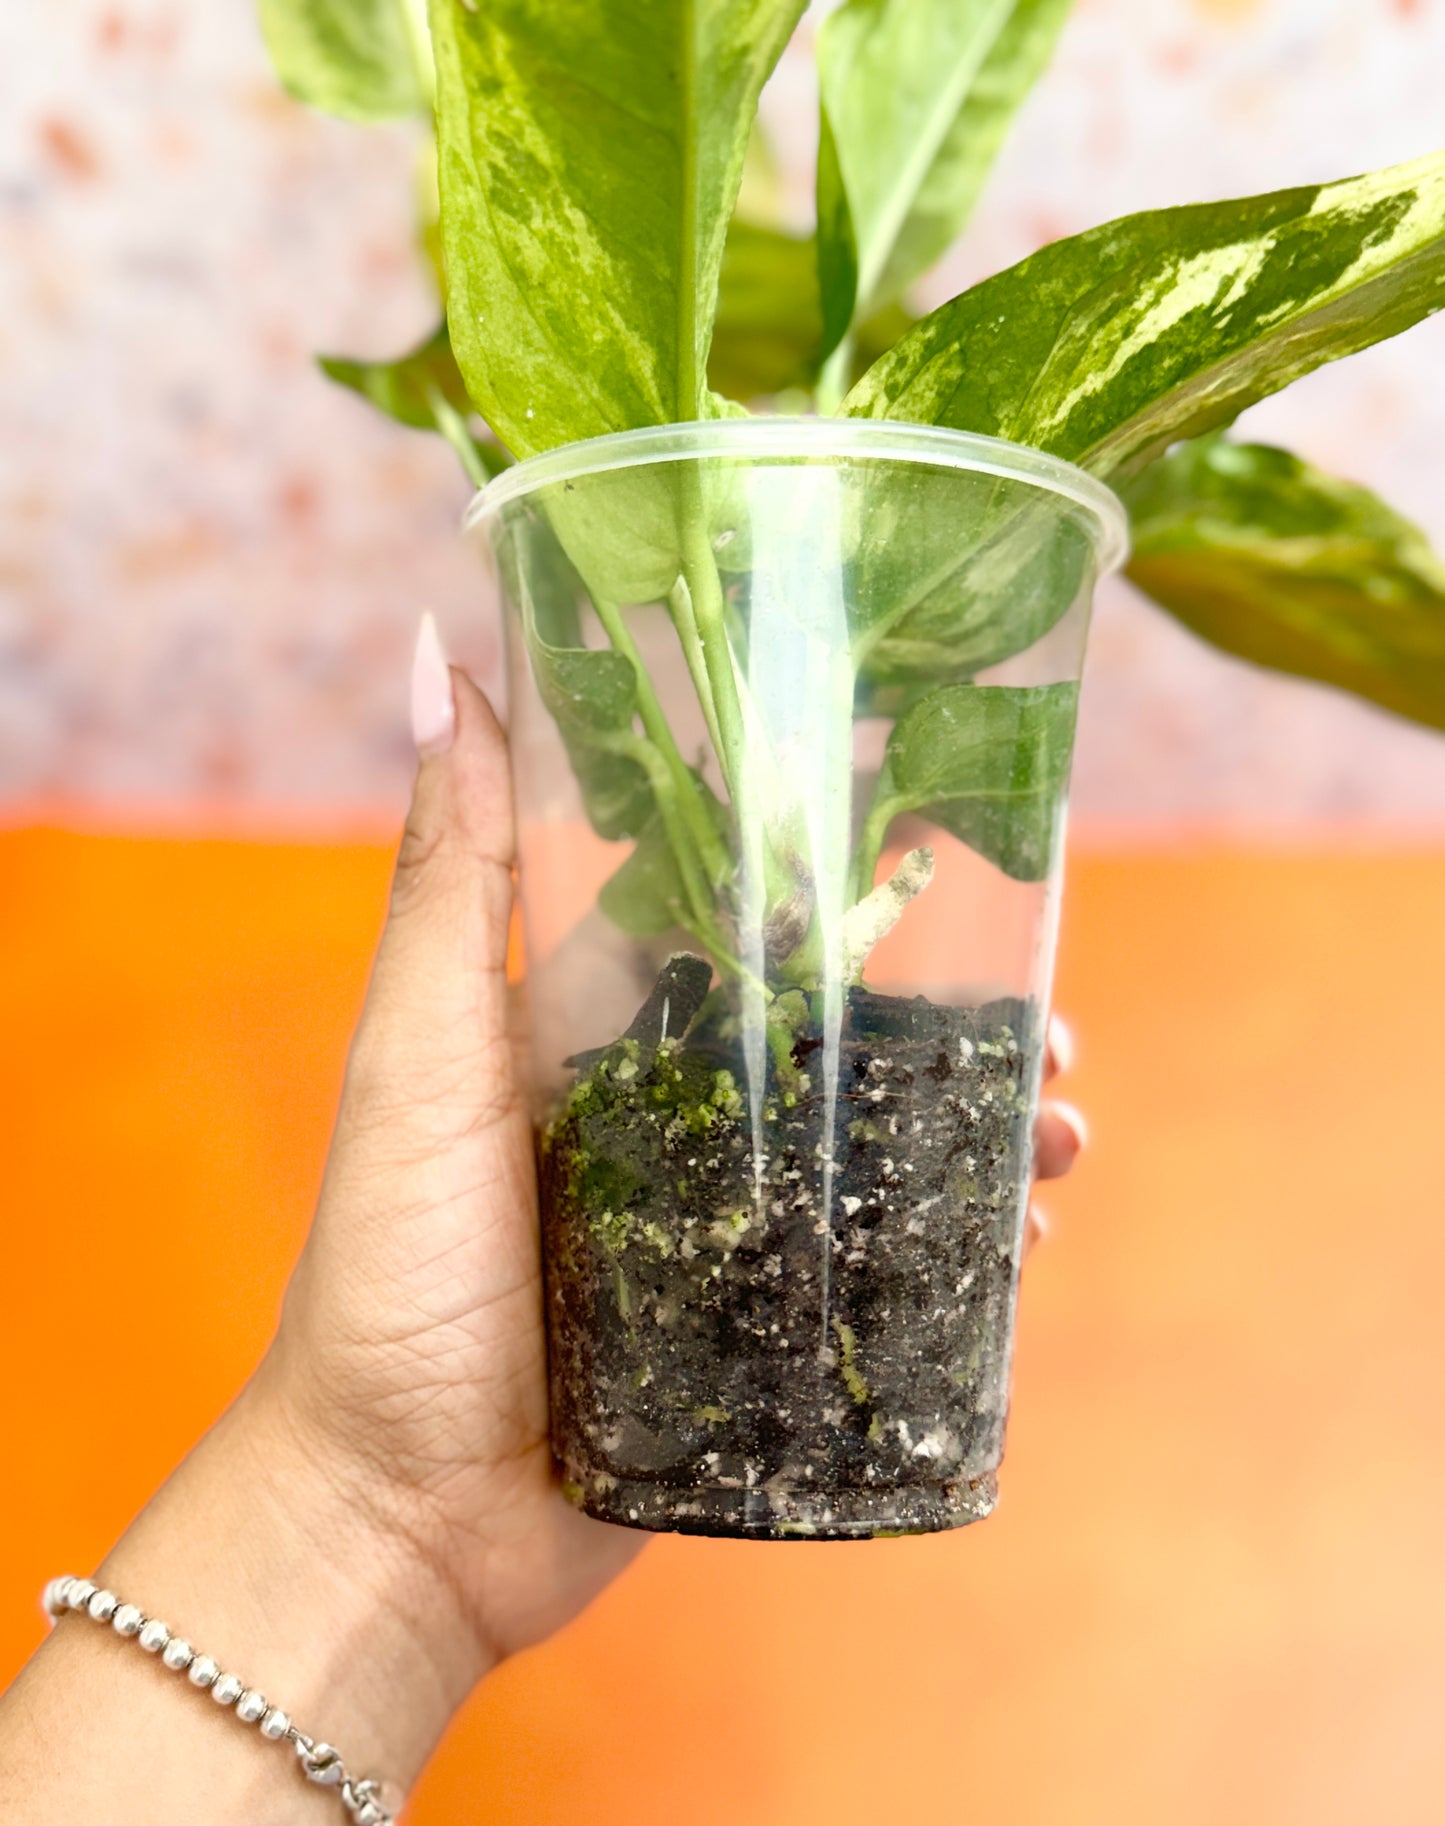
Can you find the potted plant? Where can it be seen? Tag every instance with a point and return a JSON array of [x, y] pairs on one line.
[[795, 689]]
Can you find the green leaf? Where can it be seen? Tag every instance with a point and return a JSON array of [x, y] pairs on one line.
[[621, 528], [761, 191], [1107, 348], [647, 895], [951, 187], [838, 271], [366, 60], [1272, 559], [769, 325], [406, 387], [592, 697], [590, 694], [949, 575], [995, 590], [916, 97], [591, 152], [769, 330], [989, 763], [423, 389]]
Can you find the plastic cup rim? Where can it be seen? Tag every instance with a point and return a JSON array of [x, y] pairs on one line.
[[859, 439]]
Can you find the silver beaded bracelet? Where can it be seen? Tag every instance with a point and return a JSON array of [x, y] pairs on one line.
[[367, 1800]]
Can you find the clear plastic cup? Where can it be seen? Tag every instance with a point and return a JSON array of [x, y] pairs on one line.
[[792, 709]]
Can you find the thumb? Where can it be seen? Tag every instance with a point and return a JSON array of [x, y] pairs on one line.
[[435, 1025]]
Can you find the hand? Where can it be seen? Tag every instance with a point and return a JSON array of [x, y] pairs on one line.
[[412, 1343], [376, 1521], [1060, 1132], [412, 1348]]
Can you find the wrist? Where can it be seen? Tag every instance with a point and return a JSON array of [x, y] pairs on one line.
[[282, 1565]]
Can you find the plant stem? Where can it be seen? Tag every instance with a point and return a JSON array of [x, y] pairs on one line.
[[702, 924], [680, 604], [704, 588], [700, 918], [453, 428], [686, 792]]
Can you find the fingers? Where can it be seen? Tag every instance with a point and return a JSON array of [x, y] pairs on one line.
[[414, 1322], [1058, 1047], [436, 1011], [458, 839], [1060, 1133]]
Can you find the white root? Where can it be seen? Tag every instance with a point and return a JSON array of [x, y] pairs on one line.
[[877, 913]]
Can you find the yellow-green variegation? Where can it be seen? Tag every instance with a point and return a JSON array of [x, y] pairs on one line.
[[589, 158], [590, 155], [1108, 347], [916, 96], [1281, 564]]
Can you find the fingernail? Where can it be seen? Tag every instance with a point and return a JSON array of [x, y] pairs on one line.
[[1061, 1043], [433, 709], [1073, 1120], [1036, 1228]]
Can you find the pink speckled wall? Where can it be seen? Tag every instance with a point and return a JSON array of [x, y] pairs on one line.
[[211, 561]]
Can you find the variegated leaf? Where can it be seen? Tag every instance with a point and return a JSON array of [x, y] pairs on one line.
[[1284, 565], [591, 152], [990, 763], [1108, 347], [953, 182], [916, 96]]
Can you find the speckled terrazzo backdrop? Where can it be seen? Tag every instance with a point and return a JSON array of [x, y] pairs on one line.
[[211, 562]]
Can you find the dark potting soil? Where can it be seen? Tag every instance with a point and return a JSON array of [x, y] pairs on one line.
[[730, 1356]]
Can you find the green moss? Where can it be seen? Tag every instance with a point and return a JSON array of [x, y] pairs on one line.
[[788, 1016], [657, 1238], [725, 1094], [852, 1376], [592, 1147], [611, 1228]]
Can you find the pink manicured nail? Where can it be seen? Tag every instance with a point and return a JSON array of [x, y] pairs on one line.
[[1073, 1120], [1061, 1043], [433, 709]]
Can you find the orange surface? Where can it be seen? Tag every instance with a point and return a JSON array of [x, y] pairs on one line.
[[1213, 1589]]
